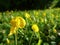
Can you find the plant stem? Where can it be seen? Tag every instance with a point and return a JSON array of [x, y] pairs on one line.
[[31, 38], [16, 38]]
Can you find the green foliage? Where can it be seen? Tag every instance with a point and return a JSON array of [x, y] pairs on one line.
[[48, 22]]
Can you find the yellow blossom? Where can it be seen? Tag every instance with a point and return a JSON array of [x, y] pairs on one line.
[[35, 28], [12, 31], [44, 14], [17, 22], [27, 15], [22, 22]]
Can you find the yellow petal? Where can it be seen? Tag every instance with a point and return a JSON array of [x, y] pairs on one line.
[[15, 22], [12, 31], [18, 22], [22, 22]]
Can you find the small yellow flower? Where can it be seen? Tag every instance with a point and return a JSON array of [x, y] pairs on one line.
[[27, 15], [35, 28], [44, 14], [8, 41]]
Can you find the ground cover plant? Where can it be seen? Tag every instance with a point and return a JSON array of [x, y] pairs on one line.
[[33, 27]]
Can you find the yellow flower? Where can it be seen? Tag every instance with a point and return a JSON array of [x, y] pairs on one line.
[[44, 14], [17, 22], [8, 41], [12, 31], [22, 22], [35, 28], [27, 15]]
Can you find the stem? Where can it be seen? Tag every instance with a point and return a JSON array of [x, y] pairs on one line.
[[31, 38], [16, 38], [39, 41]]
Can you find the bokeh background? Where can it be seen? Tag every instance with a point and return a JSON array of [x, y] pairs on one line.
[[28, 4], [44, 14]]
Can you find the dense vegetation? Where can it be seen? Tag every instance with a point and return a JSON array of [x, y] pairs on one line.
[[29, 22], [47, 31]]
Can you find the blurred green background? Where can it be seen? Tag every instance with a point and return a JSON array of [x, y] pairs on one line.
[[28, 4], [44, 13], [47, 20]]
